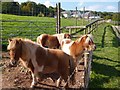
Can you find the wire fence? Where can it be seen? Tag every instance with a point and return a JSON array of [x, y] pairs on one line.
[[26, 29]]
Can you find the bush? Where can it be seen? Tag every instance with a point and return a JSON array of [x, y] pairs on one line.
[[41, 15]]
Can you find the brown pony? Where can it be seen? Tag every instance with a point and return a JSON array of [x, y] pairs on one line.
[[76, 48], [40, 60], [51, 41]]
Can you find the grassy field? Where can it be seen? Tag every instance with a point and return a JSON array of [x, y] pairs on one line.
[[31, 27], [105, 66]]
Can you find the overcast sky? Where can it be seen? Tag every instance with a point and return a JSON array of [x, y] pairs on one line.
[[94, 5]]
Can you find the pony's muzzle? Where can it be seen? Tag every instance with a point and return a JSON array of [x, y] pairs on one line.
[[94, 47], [13, 63]]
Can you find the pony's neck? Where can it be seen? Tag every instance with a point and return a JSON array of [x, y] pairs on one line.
[[80, 48], [25, 51], [28, 48]]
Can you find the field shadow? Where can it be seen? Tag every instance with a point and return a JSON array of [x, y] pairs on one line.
[[115, 40], [103, 38], [105, 69], [101, 58], [104, 73]]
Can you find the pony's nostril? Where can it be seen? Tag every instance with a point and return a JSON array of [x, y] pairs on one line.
[[95, 48]]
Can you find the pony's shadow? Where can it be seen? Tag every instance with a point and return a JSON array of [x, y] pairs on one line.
[[103, 70], [101, 58], [53, 76], [46, 86]]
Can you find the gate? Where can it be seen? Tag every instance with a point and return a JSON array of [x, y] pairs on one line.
[[26, 29]]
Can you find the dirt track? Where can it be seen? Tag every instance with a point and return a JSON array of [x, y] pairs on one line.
[[19, 77]]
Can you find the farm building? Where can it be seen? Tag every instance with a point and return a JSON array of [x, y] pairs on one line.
[[79, 14]]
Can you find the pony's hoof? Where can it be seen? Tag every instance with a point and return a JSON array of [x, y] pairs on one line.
[[32, 86]]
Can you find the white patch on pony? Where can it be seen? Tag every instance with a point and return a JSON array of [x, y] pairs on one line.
[[33, 81], [33, 57], [60, 37], [66, 47], [11, 46], [64, 41], [41, 68], [89, 38], [37, 67], [41, 36], [58, 81]]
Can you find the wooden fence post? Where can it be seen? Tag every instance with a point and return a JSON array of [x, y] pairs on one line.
[[89, 29], [85, 31], [86, 57], [87, 67], [58, 18]]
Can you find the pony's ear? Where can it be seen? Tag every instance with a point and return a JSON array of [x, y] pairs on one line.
[[18, 41], [84, 38], [9, 40]]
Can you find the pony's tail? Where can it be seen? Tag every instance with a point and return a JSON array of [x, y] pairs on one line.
[[72, 71]]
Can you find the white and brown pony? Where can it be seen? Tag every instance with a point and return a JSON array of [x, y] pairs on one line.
[[76, 48], [40, 60], [52, 41]]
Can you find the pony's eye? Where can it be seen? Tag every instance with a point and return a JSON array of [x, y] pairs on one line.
[[89, 42]]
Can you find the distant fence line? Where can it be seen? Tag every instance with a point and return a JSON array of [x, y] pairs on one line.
[[32, 28], [28, 23], [87, 29]]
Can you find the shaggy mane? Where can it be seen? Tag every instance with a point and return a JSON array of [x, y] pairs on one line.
[[24, 39]]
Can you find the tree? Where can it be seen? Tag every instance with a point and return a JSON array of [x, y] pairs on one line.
[[28, 8], [10, 7], [52, 11], [116, 17]]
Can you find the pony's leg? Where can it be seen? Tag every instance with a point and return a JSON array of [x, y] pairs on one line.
[[65, 77], [36, 77], [58, 81], [34, 80]]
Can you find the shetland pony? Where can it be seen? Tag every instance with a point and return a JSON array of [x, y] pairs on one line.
[[76, 48], [40, 60], [51, 41]]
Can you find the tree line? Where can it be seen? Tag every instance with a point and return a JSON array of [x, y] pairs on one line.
[[28, 8], [114, 16]]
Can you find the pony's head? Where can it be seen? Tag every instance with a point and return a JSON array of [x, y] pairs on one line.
[[14, 47], [67, 36], [88, 43]]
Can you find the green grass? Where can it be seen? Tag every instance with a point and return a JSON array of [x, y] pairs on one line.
[[26, 26], [30, 26], [105, 66]]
